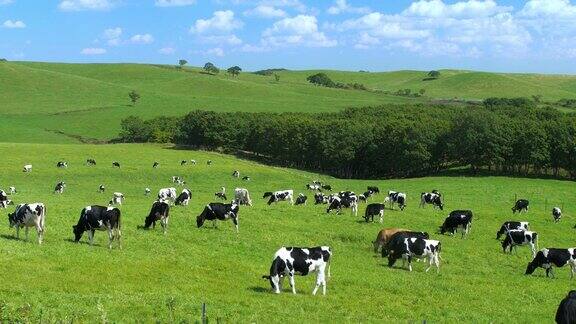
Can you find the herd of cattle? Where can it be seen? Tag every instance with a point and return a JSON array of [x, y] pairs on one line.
[[393, 243]]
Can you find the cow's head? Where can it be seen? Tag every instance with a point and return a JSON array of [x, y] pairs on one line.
[[78, 231], [12, 219], [200, 220], [537, 262]]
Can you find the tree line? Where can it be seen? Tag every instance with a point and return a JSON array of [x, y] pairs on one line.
[[507, 136]]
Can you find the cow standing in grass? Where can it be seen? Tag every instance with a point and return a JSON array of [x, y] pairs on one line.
[[93, 218], [160, 211], [29, 215], [219, 211], [552, 257], [556, 214], [520, 206]]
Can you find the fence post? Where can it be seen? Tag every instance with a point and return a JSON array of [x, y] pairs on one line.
[[204, 318]]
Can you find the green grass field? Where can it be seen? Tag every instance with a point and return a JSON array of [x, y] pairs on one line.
[[56, 102], [64, 281]]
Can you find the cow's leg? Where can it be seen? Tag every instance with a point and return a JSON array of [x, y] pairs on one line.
[[320, 282], [292, 283], [235, 221], [430, 262], [110, 237], [276, 282], [26, 232], [17, 231], [533, 247], [40, 232], [119, 236], [410, 263], [91, 236], [381, 216], [572, 271]]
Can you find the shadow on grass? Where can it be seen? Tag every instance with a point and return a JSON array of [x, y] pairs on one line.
[[79, 242], [9, 237], [259, 289]]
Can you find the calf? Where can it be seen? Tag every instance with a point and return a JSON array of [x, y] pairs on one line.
[[90, 162], [168, 194], [398, 198], [520, 238], [219, 211], [102, 188], [27, 168], [384, 236], [413, 247], [346, 201], [512, 225], [99, 218], [320, 198], [301, 200], [117, 198], [373, 210], [458, 219], [549, 257], [160, 211], [236, 174], [29, 215], [374, 189], [566, 312], [116, 164], [281, 195], [556, 214], [59, 188], [242, 196], [434, 199], [289, 261], [520, 205], [184, 198], [62, 164]]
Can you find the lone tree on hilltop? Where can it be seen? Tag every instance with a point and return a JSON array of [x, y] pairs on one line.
[[181, 63], [134, 96], [234, 70], [434, 74], [211, 68]]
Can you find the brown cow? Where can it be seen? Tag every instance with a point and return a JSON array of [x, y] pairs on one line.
[[384, 236]]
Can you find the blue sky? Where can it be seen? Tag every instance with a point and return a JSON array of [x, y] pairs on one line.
[[492, 35]]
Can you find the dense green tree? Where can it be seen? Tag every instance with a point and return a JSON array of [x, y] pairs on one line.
[[321, 79], [234, 70], [211, 68], [134, 97]]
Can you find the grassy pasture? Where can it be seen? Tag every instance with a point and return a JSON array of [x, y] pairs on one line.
[[165, 278]]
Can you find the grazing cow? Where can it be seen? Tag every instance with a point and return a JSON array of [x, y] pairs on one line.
[[117, 198], [209, 162], [566, 312], [62, 164], [99, 218], [178, 180], [183, 162], [301, 200], [193, 162], [374, 189], [373, 210], [435, 199], [236, 174], [184, 198], [160, 211], [167, 194], [221, 194], [59, 188], [147, 191], [556, 214], [29, 215], [219, 211], [320, 198], [327, 187], [520, 205], [281, 195], [414, 247], [246, 178], [384, 236], [520, 238], [512, 225], [362, 198], [27, 168], [398, 198], [155, 165], [458, 219], [12, 190], [101, 189], [398, 238], [553, 257], [4, 201], [90, 162], [344, 199], [313, 186], [289, 261], [242, 197], [116, 164]]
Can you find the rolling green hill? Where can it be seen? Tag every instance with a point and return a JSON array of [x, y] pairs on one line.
[[56, 102]]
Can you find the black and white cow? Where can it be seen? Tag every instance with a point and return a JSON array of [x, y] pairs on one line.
[[520, 205], [327, 187], [553, 257], [147, 191], [566, 312], [116, 164], [434, 199], [458, 219], [29, 215], [516, 238], [4, 201], [59, 188], [414, 247], [290, 261], [220, 195], [219, 211], [281, 195], [193, 162], [209, 162], [160, 211], [301, 200], [367, 195], [396, 236], [242, 197], [236, 174], [398, 198], [346, 200], [556, 214], [183, 162], [320, 198], [246, 178], [155, 165], [12, 190], [90, 162], [184, 198], [117, 198], [101, 189], [168, 194], [374, 189], [93, 218], [62, 164], [374, 210], [27, 168], [313, 186], [512, 225]]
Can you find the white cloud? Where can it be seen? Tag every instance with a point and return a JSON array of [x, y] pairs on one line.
[[13, 24], [93, 51], [215, 52], [142, 39], [112, 36], [469, 8], [221, 22], [341, 6], [174, 3], [264, 11], [81, 5], [549, 8], [299, 30], [379, 25], [167, 50]]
